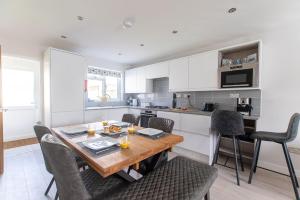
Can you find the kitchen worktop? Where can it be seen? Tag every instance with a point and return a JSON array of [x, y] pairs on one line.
[[189, 111]]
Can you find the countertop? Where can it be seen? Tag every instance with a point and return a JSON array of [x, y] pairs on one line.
[[189, 111]]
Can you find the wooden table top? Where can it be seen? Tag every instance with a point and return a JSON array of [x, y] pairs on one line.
[[139, 149]]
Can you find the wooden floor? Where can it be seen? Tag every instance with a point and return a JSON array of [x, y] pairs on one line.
[[25, 178]]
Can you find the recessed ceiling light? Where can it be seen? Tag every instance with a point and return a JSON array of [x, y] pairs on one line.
[[128, 23], [174, 31], [80, 18], [119, 54], [142, 45], [231, 10], [63, 37]]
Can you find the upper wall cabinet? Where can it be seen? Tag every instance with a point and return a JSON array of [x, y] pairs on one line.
[[130, 81], [179, 74], [136, 82], [157, 70], [203, 71]]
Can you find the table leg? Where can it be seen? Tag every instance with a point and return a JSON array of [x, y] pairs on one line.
[[126, 176]]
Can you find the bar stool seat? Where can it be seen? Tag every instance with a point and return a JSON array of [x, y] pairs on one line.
[[269, 136]]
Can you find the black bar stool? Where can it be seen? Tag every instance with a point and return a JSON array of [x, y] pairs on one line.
[[280, 138], [230, 124]]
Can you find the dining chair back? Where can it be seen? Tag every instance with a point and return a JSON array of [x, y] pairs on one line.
[[166, 125], [293, 127], [65, 170], [131, 118], [40, 131]]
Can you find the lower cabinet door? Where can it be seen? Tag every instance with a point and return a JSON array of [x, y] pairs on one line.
[[67, 118], [195, 142]]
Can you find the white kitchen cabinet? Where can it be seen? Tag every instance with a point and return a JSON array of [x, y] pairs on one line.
[[171, 115], [203, 71], [64, 75], [95, 115], [197, 124], [130, 81], [178, 74], [157, 70], [134, 111], [143, 85], [136, 82], [193, 142], [116, 113]]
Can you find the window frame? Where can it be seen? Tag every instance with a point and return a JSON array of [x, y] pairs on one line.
[[104, 89]]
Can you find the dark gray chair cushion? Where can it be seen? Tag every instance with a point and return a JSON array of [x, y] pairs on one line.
[[227, 122], [288, 136], [180, 178]]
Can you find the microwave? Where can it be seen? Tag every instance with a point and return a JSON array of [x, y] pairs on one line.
[[238, 76]]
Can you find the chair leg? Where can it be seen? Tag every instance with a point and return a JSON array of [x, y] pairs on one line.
[[236, 161], [288, 162], [207, 196], [56, 196], [293, 169], [241, 159], [216, 155], [49, 186], [254, 160]]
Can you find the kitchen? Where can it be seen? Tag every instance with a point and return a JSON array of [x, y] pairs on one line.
[[168, 66]]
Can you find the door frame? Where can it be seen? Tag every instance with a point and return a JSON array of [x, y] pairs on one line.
[[1, 122]]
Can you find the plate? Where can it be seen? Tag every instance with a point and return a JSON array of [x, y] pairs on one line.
[[100, 143], [150, 131]]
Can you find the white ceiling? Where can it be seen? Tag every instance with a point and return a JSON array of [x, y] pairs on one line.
[[199, 23]]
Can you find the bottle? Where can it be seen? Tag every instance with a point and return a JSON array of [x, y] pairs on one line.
[[174, 102]]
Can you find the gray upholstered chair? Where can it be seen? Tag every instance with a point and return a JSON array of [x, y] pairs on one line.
[[166, 125], [229, 124], [40, 131], [181, 178], [71, 183], [280, 138], [132, 119]]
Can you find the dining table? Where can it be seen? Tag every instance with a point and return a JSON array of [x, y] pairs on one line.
[[140, 148]]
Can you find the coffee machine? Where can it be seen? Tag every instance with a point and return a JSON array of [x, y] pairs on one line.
[[244, 106]]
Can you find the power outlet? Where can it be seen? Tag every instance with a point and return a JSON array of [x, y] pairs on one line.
[[234, 95]]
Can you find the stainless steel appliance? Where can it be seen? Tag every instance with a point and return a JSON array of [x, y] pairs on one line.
[[209, 107], [145, 116], [238, 76], [244, 106]]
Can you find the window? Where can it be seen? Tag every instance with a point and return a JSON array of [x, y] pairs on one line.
[[20, 80], [18, 88], [103, 85]]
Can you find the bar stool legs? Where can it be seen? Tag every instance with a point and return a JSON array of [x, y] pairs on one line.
[[288, 162], [290, 166], [216, 155], [236, 160], [239, 148], [236, 147]]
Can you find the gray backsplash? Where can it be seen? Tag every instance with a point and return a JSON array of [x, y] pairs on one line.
[[161, 96]]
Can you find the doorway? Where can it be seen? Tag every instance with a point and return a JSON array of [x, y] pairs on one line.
[[20, 97]]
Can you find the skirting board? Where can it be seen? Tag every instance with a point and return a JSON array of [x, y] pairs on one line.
[[18, 143], [276, 168], [191, 154]]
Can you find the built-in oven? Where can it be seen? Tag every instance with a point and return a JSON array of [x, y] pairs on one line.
[[237, 76], [145, 116]]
